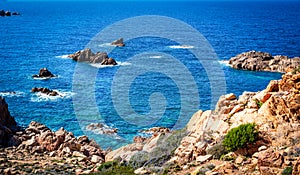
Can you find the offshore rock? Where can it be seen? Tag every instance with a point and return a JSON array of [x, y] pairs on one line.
[[118, 42], [87, 55], [44, 73], [262, 61], [45, 91]]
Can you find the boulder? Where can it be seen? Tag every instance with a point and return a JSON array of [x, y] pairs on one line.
[[263, 61], [100, 128], [2, 13], [87, 55], [45, 91], [44, 73], [118, 42]]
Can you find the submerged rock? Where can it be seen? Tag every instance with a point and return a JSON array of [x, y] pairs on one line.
[[262, 61], [88, 56], [118, 42], [44, 73], [100, 128]]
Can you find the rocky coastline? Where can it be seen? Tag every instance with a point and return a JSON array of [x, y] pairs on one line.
[[196, 149], [263, 61]]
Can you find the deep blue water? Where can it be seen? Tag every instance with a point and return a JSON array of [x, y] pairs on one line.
[[47, 30]]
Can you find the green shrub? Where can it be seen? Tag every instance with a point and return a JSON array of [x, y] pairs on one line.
[[258, 103], [296, 70], [114, 168], [217, 151], [240, 136], [287, 171], [164, 150]]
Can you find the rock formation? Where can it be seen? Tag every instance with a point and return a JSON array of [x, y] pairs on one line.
[[8, 125], [45, 91], [118, 42], [39, 150], [44, 73], [88, 56], [8, 13], [262, 61], [276, 112]]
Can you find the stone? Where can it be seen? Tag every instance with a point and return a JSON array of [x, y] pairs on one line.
[[140, 171], [87, 55], [202, 159], [239, 160], [118, 42], [262, 148], [96, 159]]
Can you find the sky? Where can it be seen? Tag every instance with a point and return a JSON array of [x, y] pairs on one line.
[[148, 0]]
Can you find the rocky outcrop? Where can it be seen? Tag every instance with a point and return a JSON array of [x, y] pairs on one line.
[[118, 42], [88, 56], [8, 13], [276, 112], [100, 128], [8, 126], [44, 73], [262, 61], [45, 91]]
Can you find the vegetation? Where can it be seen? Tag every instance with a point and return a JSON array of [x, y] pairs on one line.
[[296, 70], [114, 168], [217, 150], [240, 136], [164, 150], [258, 103], [206, 168], [287, 171]]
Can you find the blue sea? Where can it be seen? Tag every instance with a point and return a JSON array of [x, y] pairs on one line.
[[159, 81]]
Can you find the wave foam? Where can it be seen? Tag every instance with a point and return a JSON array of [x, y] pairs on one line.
[[11, 94], [44, 78], [181, 47], [156, 56], [106, 45], [63, 56], [225, 63], [104, 66], [39, 97]]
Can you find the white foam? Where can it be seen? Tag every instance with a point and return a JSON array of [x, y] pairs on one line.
[[106, 45], [11, 94], [102, 130], [156, 56], [104, 66], [44, 78], [181, 47], [225, 63], [63, 56], [39, 97]]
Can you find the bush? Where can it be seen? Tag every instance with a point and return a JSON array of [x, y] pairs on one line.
[[114, 168], [287, 171], [296, 70], [164, 150], [240, 136], [217, 151], [258, 103]]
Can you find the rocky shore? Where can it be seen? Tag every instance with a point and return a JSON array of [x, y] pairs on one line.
[[262, 61], [38, 150], [199, 148]]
